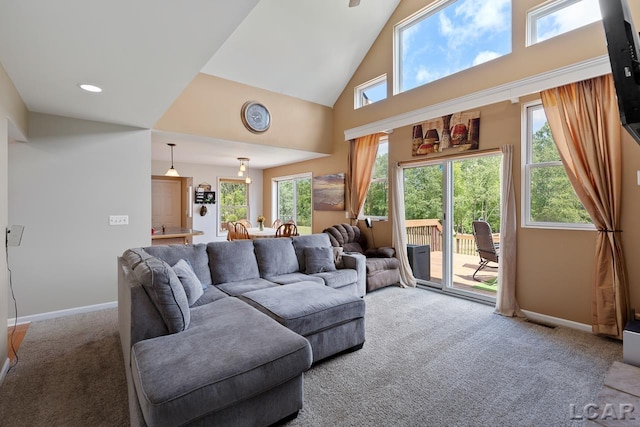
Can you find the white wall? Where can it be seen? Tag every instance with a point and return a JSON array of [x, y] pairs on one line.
[[63, 185], [4, 278], [210, 175]]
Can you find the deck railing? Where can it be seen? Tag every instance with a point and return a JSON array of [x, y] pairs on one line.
[[429, 232]]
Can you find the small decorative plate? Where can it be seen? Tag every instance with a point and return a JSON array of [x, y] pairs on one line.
[[255, 117]]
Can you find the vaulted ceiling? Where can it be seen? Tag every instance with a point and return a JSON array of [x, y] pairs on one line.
[[144, 53]]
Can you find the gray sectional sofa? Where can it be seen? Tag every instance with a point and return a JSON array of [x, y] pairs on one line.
[[221, 333]]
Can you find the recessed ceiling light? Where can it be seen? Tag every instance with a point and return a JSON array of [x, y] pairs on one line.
[[90, 88]]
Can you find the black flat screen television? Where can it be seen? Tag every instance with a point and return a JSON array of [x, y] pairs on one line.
[[622, 45]]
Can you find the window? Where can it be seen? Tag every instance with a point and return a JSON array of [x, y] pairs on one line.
[[293, 200], [377, 201], [372, 91], [549, 198], [559, 17], [450, 36], [234, 201]]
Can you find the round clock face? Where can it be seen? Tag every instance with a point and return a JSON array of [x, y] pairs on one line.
[[256, 117]]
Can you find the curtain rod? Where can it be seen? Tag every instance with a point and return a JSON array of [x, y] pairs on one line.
[[458, 155]]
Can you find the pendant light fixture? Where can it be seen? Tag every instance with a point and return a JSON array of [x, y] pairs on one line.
[[244, 167], [172, 171]]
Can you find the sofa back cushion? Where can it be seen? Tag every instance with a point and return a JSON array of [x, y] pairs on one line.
[[195, 254], [348, 236], [165, 291], [308, 241], [135, 256], [275, 256], [232, 261]]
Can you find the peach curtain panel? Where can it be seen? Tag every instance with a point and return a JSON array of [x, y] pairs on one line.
[[362, 158], [585, 124], [506, 303], [399, 229]]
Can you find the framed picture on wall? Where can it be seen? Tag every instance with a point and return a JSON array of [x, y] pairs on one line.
[[328, 192], [447, 134]]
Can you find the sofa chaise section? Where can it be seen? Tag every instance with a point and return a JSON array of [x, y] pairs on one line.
[[205, 364], [249, 374]]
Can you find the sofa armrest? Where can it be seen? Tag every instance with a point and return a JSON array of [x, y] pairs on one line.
[[384, 252], [357, 262]]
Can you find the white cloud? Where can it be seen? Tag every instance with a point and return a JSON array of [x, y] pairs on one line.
[[475, 18], [485, 56], [570, 18], [424, 75]]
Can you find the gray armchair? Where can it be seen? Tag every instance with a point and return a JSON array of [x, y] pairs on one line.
[[382, 265]]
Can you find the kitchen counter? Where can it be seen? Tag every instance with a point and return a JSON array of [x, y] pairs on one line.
[[174, 235]]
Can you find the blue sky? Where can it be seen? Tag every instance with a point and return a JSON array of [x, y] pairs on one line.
[[463, 34], [576, 15], [466, 33]]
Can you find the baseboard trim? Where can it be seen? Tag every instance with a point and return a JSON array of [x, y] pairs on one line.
[[5, 370], [543, 318], [61, 313]]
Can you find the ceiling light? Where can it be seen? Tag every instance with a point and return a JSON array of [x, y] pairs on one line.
[[90, 88], [172, 171], [244, 166]]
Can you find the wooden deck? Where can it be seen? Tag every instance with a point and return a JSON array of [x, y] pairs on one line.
[[463, 268]]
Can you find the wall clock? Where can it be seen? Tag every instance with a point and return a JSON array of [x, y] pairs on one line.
[[255, 117]]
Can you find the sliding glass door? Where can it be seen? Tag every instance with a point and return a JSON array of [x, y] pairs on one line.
[[442, 198], [293, 201]]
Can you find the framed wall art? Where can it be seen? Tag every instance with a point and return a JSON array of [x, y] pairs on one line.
[[328, 192], [447, 134]]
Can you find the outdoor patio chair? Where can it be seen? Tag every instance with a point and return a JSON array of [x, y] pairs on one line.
[[488, 251]]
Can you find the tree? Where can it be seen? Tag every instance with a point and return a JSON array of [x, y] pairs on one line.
[[552, 196]]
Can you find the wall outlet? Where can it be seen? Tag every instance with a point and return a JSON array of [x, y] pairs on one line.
[[118, 219]]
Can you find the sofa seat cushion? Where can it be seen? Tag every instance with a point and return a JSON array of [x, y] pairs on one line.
[[376, 264], [195, 254], [210, 294], [338, 278], [285, 279], [275, 256], [242, 286], [232, 261], [306, 307], [231, 352]]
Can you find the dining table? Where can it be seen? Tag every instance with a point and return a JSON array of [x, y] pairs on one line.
[[256, 233]]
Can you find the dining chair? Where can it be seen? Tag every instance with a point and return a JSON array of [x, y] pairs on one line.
[[231, 230], [241, 232], [277, 223], [286, 230], [246, 223]]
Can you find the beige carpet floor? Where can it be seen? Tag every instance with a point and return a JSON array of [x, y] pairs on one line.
[[429, 360]]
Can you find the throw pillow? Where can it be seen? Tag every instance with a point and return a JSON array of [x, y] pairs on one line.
[[319, 260], [166, 292], [190, 282]]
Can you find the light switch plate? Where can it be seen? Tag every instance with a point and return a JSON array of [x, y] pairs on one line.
[[14, 235], [118, 219]]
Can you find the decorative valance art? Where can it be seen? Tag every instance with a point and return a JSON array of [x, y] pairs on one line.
[[447, 134]]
